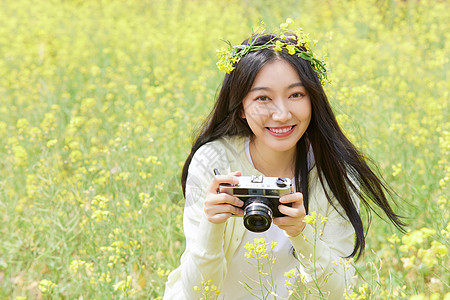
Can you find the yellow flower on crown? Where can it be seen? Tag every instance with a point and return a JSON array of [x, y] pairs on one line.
[[291, 49], [278, 46]]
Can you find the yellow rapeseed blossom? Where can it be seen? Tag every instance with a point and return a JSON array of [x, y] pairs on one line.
[[75, 265], [396, 169], [51, 143], [278, 46], [310, 218], [257, 249], [46, 286], [20, 155]]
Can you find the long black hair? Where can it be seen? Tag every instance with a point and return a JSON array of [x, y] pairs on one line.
[[337, 160]]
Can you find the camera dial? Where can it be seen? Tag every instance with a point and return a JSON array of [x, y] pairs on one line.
[[281, 182]]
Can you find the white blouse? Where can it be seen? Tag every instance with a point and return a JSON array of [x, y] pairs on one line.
[[243, 276], [214, 251]]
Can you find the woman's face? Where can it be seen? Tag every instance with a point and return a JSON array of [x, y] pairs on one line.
[[277, 108]]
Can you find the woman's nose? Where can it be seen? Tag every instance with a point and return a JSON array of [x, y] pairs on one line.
[[281, 111]]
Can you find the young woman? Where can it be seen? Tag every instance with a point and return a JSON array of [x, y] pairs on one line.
[[272, 118]]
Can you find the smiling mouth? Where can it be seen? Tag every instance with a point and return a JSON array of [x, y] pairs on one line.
[[281, 129]]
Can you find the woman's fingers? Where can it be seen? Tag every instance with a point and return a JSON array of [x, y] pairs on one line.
[[292, 198], [223, 179], [223, 198], [222, 203], [221, 215], [292, 223], [293, 212], [220, 206]]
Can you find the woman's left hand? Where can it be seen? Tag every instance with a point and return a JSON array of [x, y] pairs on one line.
[[292, 223]]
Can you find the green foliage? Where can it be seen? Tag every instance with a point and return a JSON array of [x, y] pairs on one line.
[[99, 100]]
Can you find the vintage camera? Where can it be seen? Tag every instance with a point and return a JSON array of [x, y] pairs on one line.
[[261, 197]]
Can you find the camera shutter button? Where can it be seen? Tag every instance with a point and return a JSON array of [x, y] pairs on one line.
[[281, 182]]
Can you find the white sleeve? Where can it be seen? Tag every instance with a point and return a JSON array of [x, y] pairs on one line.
[[204, 257]]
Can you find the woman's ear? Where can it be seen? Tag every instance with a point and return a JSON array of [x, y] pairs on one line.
[[242, 114]]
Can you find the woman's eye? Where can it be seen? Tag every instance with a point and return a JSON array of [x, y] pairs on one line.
[[297, 95], [262, 98]]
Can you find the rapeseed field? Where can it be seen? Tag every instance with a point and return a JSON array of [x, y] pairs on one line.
[[100, 101]]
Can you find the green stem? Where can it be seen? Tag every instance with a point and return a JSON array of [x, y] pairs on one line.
[[259, 275], [314, 264]]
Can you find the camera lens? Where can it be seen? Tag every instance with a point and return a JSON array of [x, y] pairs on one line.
[[257, 215]]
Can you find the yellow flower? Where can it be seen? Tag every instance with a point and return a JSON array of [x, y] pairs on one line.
[[278, 46], [46, 286], [291, 273], [439, 248], [396, 169], [75, 265], [311, 218], [285, 25], [20, 155], [226, 60], [393, 239], [291, 49], [51, 143], [274, 244]]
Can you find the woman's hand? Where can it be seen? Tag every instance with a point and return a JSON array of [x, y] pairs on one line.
[[292, 223], [220, 206]]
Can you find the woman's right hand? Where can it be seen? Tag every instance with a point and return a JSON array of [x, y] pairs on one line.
[[220, 206]]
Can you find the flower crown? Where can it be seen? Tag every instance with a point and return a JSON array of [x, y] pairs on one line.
[[296, 42]]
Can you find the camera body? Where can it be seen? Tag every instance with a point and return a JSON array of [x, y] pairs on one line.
[[261, 197]]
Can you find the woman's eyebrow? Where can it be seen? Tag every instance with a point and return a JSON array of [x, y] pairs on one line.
[[259, 88], [295, 85]]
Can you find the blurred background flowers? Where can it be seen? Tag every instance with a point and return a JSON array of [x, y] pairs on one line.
[[99, 101]]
